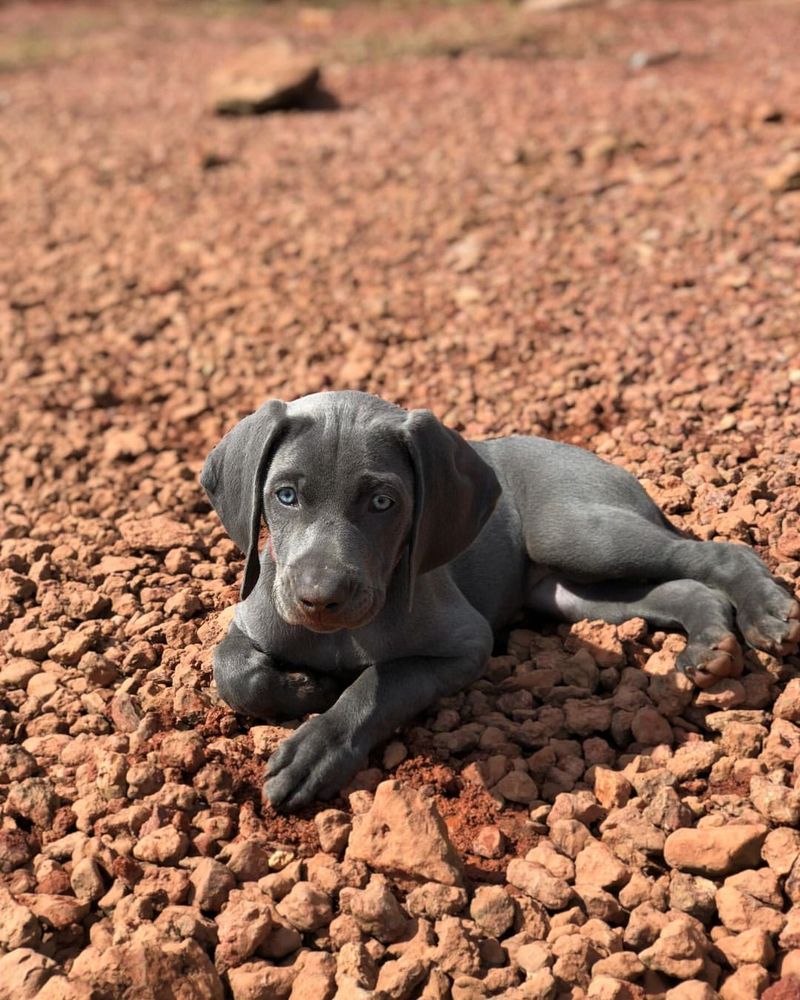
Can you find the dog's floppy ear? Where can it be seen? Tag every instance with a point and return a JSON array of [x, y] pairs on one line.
[[233, 477], [455, 491]]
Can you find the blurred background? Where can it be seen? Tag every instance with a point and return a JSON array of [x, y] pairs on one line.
[[558, 216]]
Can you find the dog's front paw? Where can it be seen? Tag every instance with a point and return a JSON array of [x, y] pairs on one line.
[[313, 763]]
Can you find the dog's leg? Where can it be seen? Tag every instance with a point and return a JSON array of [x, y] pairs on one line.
[[594, 542], [325, 752], [250, 683], [705, 615]]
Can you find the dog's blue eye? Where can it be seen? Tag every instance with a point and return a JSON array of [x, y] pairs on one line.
[[286, 495], [381, 502]]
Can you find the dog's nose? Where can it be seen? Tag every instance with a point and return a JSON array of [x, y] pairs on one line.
[[318, 593]]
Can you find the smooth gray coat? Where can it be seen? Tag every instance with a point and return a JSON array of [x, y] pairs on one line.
[[396, 548]]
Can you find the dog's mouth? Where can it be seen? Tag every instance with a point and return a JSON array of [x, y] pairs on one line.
[[358, 613]]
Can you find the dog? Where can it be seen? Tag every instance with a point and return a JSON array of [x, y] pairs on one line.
[[396, 549]]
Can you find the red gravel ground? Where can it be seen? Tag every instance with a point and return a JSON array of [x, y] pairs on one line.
[[581, 226]]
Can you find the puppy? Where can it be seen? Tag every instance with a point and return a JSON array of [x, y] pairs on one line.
[[396, 548]]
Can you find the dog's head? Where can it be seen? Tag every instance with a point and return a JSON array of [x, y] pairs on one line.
[[350, 488]]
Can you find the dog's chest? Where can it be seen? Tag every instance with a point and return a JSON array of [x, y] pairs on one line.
[[339, 652]]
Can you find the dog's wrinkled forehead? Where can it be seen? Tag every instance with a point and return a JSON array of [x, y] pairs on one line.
[[343, 432]]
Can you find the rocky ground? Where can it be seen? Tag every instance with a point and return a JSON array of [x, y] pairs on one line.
[[579, 223]]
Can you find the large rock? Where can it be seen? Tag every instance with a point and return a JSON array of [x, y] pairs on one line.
[[23, 972], [19, 928], [150, 966], [158, 533], [267, 77], [679, 951], [211, 883], [715, 850], [260, 980], [553, 893], [375, 910], [402, 834], [242, 926]]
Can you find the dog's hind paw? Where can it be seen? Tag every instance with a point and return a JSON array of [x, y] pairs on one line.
[[774, 626], [705, 664]]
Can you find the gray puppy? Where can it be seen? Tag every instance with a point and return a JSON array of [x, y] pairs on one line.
[[396, 548]]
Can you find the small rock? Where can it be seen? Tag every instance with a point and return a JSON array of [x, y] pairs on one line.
[[775, 802], [714, 852], [596, 865], [435, 900], [604, 987], [72, 647], [679, 951], [33, 799], [781, 849], [457, 951], [622, 965], [375, 909], [692, 989], [87, 881], [184, 750], [124, 444], [333, 827], [650, 728], [784, 177], [787, 705], [642, 58], [692, 894], [246, 859], [23, 972], [399, 979], [539, 884], [693, 759], [611, 788], [355, 967], [181, 922], [750, 947], [586, 717], [747, 982], [165, 846], [19, 928], [403, 834], [157, 534], [267, 77], [149, 964], [260, 980], [306, 908], [211, 883], [394, 754], [786, 988], [489, 842], [185, 603], [533, 957], [243, 926], [517, 786], [492, 910], [466, 253]]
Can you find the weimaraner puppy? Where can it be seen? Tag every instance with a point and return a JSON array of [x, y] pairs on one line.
[[396, 547]]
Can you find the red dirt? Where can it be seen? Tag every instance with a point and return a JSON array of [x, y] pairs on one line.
[[536, 237]]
